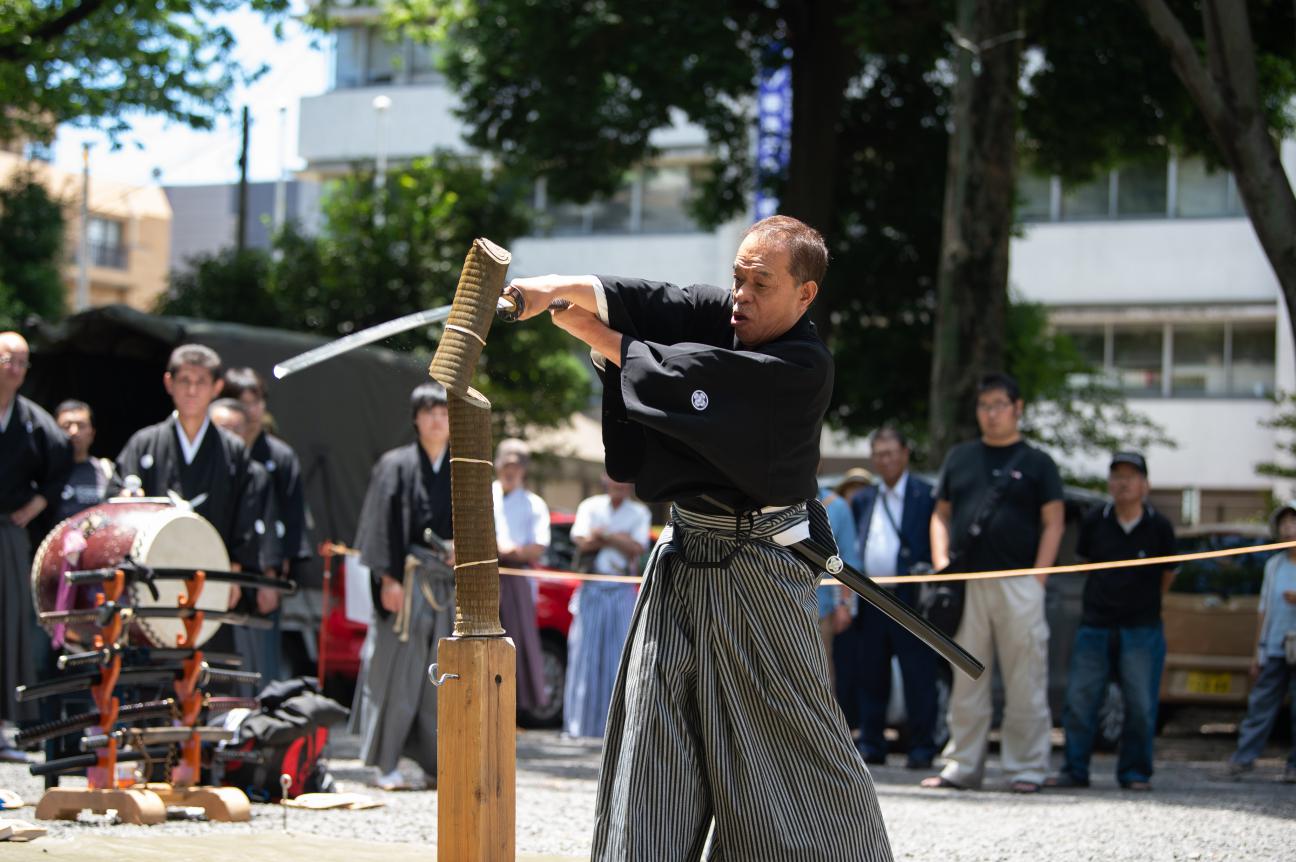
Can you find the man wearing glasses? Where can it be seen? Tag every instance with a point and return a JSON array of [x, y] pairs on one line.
[[999, 506], [35, 458]]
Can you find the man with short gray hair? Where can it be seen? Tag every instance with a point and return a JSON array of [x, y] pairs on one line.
[[35, 458]]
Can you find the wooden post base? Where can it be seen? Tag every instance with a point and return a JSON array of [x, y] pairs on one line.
[[476, 750], [133, 805], [224, 804]]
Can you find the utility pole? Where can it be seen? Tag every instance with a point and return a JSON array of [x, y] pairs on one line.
[[240, 240], [83, 246]]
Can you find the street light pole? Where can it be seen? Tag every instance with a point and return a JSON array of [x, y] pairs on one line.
[[281, 189], [381, 105], [83, 247]]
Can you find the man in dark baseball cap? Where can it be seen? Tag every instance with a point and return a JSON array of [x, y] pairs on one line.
[[1121, 618], [1134, 459]]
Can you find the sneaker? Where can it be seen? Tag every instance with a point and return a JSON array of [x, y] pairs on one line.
[[1289, 775], [1237, 770], [392, 781]]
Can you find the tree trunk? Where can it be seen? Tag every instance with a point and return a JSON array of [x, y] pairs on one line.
[[972, 282], [1229, 101], [820, 70]]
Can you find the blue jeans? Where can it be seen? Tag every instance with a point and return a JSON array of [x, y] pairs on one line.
[[1134, 656], [1275, 678]]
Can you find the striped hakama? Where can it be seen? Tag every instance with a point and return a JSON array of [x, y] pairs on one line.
[[722, 711]]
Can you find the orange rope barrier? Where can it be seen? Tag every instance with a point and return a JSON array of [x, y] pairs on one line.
[[549, 574]]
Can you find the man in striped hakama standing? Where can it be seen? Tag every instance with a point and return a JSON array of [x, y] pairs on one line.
[[724, 739]]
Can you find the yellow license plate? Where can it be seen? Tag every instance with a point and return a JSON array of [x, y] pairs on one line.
[[1208, 683]]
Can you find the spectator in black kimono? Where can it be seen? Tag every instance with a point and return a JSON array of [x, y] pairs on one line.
[[185, 456], [35, 457], [404, 540]]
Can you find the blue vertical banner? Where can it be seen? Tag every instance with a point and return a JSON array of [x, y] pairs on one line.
[[773, 134]]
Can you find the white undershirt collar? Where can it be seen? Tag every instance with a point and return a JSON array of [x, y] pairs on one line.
[[189, 450]]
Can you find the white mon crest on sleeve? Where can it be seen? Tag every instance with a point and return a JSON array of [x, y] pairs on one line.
[[700, 400]]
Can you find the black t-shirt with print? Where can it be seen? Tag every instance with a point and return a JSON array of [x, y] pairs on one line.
[[1010, 538]]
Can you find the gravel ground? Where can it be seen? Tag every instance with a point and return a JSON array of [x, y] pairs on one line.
[[1195, 812]]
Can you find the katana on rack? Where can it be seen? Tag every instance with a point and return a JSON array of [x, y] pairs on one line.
[[146, 711], [143, 655], [103, 615], [137, 573], [130, 676]]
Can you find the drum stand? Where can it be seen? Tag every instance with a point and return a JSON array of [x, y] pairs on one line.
[[147, 803]]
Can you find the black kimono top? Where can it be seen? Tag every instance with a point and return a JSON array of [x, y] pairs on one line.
[[406, 496], [216, 483], [692, 411], [286, 515], [35, 457]]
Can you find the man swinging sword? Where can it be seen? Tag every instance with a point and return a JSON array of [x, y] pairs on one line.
[[713, 399]]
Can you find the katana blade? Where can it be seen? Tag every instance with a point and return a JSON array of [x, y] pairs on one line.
[[158, 736]]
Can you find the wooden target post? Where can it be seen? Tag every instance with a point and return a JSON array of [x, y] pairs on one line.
[[476, 668]]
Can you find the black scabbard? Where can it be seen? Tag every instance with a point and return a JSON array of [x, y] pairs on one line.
[[821, 560], [77, 723], [135, 572], [818, 551], [78, 762]]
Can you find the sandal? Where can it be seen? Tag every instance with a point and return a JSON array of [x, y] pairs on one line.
[[936, 782], [1024, 787]]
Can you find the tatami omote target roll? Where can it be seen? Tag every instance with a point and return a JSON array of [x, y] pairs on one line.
[[476, 668]]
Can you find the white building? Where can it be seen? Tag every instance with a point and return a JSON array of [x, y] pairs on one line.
[[1154, 270], [1158, 277]]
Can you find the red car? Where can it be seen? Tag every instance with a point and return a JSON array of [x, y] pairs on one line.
[[341, 639]]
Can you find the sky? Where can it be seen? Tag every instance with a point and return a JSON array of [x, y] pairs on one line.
[[184, 156]]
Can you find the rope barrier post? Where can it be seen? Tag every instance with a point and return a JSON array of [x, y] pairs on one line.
[[477, 666]]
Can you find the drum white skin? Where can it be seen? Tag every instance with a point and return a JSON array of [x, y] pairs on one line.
[[153, 532]]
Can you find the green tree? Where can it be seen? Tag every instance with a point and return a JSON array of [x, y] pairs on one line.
[[1284, 422], [31, 247], [573, 90], [93, 61], [364, 269]]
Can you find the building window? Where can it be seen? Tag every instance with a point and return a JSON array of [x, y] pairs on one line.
[[366, 57], [1253, 360], [1087, 201], [1229, 359], [1141, 190], [1154, 188], [104, 237], [1137, 359], [1034, 196], [650, 200], [1199, 367]]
